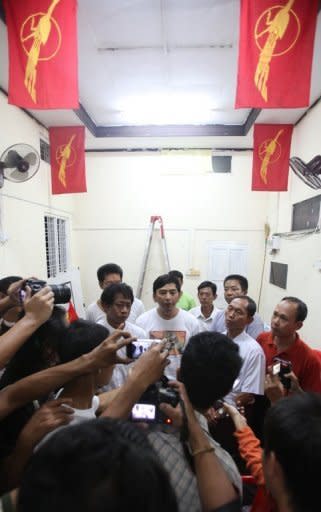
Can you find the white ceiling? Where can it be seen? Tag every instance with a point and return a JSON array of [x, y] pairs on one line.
[[177, 59]]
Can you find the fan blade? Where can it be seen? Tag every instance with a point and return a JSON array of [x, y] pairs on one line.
[[31, 158], [18, 175], [12, 159]]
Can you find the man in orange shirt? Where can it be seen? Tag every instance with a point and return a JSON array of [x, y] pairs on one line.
[[284, 342]]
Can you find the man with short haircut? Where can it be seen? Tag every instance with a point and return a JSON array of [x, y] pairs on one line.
[[116, 301], [207, 311], [236, 285], [284, 342], [238, 315], [100, 465], [292, 452], [168, 321], [108, 274], [186, 301], [209, 365]]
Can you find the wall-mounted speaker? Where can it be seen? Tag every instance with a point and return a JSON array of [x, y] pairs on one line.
[[221, 163]]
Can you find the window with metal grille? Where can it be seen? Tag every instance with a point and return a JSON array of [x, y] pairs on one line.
[[56, 245]]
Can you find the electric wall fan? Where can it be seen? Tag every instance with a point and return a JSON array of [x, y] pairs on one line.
[[18, 163]]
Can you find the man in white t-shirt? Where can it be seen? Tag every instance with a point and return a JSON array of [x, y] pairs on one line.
[[116, 301], [111, 274], [207, 311], [238, 314], [168, 321]]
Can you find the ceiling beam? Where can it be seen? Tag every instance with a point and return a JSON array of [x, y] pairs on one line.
[[187, 130]]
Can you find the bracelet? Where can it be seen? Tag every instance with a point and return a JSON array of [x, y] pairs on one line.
[[203, 450]]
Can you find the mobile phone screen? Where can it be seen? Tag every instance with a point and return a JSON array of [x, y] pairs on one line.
[[276, 368], [144, 412], [135, 349]]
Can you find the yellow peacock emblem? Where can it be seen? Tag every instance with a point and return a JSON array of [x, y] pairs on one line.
[[270, 28], [269, 152], [34, 35], [65, 156]]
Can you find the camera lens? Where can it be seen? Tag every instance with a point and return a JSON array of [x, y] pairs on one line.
[[62, 293]]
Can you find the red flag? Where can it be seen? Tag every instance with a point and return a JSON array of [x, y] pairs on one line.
[[71, 312], [67, 159], [42, 39], [271, 154], [275, 53]]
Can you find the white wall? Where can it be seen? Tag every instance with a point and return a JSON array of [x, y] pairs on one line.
[[304, 281], [110, 222], [23, 205], [196, 205]]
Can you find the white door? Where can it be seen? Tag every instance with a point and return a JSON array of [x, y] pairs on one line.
[[225, 258]]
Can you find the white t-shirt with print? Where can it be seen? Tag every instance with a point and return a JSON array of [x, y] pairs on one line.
[[178, 330]]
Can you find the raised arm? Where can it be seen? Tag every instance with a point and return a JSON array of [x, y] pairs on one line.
[[215, 488], [148, 369], [37, 311], [41, 383]]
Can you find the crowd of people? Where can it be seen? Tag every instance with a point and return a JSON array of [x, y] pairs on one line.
[[214, 413]]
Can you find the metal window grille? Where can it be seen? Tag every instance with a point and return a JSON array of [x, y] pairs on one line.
[[56, 245]]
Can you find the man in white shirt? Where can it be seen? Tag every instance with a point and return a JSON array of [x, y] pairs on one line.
[[207, 311], [236, 285], [116, 301], [168, 321], [238, 314], [111, 274]]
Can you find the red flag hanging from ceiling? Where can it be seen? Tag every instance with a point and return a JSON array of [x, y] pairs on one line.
[[271, 155], [43, 67], [67, 159], [275, 53]]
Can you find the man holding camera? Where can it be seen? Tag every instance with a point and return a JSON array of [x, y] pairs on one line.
[[284, 343], [210, 363]]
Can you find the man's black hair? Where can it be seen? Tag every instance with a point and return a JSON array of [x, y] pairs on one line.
[[250, 306], [176, 273], [101, 465], [5, 282], [292, 430], [36, 354], [244, 284], [109, 293], [163, 280], [208, 284], [81, 337], [209, 366], [109, 268], [301, 308], [31, 356]]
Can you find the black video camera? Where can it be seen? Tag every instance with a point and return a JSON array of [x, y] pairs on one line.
[[62, 292], [147, 409]]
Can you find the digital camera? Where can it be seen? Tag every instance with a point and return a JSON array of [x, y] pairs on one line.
[[147, 409], [281, 367], [62, 292]]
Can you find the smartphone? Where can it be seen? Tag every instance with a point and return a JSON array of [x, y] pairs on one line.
[[144, 412], [135, 349], [281, 367]]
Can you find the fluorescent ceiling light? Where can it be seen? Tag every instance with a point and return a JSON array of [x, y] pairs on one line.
[[163, 109]]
